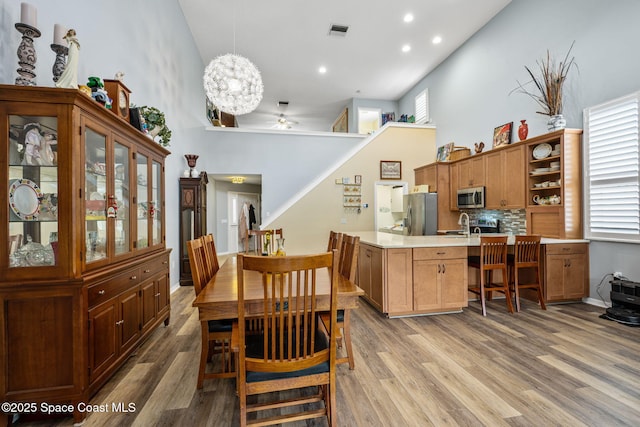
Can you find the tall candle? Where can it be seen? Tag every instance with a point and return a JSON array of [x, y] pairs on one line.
[[29, 15], [58, 34]]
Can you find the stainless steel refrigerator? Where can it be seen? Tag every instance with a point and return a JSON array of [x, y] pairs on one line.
[[421, 214]]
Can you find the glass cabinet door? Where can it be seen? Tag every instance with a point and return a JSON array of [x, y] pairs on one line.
[[156, 213], [95, 195], [142, 171], [119, 205], [33, 191]]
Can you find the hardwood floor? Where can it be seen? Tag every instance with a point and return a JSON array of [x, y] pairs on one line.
[[564, 366]]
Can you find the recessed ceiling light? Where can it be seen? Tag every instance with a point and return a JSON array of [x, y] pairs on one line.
[[406, 48], [436, 40], [322, 69], [408, 17]]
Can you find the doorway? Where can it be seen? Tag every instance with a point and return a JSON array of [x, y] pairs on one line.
[[242, 205], [369, 120], [389, 203]]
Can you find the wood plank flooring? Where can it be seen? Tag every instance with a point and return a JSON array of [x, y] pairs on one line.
[[563, 367]]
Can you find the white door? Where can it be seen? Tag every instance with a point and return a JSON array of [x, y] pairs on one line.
[[236, 203]]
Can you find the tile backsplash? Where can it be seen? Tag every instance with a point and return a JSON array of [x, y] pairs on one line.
[[512, 221]]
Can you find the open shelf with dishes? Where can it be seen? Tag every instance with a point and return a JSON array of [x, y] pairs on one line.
[[554, 177]]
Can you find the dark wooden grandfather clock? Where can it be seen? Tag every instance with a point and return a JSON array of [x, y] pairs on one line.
[[193, 219]]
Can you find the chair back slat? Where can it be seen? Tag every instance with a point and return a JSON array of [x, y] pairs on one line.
[[197, 263], [211, 256], [335, 241], [527, 250], [349, 256], [290, 311], [493, 251]]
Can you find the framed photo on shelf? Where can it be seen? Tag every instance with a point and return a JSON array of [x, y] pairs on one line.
[[444, 151], [390, 169], [502, 135]]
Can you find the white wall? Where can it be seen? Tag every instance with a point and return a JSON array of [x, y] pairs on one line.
[[470, 91], [149, 41]]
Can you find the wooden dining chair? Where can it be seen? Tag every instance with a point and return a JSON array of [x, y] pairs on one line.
[[493, 256], [261, 239], [216, 334], [526, 255], [210, 256], [292, 352], [349, 248], [335, 241]]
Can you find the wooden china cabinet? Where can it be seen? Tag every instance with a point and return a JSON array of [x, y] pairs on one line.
[[84, 277]]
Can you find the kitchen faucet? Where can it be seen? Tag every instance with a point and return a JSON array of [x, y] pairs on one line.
[[464, 224]]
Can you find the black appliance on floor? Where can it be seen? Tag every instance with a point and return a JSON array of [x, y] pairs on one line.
[[625, 300]]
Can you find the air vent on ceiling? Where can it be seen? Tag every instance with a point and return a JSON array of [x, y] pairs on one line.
[[338, 30], [283, 103]]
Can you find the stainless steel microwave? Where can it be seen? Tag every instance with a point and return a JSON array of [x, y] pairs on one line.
[[471, 198]]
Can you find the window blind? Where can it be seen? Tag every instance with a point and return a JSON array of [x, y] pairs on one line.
[[422, 107], [613, 170]]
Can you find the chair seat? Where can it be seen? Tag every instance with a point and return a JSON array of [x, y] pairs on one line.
[[254, 349], [220, 325]]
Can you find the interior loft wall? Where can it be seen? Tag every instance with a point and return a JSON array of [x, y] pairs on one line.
[[470, 92], [307, 222]]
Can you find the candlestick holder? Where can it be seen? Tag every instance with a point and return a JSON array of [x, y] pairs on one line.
[[27, 55], [61, 60]]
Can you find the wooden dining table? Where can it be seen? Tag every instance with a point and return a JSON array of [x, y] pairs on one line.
[[219, 298]]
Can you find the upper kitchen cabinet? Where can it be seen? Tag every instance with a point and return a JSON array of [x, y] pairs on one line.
[[471, 172], [504, 179], [84, 231]]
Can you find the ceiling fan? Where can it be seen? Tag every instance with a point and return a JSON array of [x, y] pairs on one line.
[[283, 122]]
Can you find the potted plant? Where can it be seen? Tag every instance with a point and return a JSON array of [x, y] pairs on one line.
[[155, 124], [549, 85]]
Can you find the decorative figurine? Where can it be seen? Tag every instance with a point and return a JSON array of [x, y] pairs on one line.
[[69, 77], [479, 147], [26, 52]]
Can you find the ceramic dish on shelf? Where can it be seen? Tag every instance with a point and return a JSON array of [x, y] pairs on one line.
[[541, 151], [24, 198]]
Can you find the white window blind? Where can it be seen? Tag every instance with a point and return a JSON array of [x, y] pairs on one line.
[[422, 107], [612, 170]]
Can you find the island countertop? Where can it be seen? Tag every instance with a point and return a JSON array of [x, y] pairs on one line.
[[388, 240]]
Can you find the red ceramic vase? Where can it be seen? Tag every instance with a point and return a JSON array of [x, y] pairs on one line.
[[523, 130]]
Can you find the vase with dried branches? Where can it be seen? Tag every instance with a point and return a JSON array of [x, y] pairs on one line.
[[549, 84]]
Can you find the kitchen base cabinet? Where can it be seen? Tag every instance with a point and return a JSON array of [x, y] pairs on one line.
[[566, 272], [410, 281], [370, 274], [439, 279]]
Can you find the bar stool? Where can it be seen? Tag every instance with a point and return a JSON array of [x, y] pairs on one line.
[[526, 255], [493, 256]]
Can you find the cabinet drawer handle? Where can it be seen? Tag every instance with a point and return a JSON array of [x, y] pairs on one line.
[[165, 262], [134, 277], [158, 294], [147, 271], [438, 268], [119, 322], [101, 292], [440, 253], [444, 268], [566, 249]]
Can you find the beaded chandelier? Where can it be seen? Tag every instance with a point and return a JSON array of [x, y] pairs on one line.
[[233, 84]]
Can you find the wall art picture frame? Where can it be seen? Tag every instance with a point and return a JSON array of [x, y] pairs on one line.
[[390, 169], [358, 179], [502, 135], [444, 151]]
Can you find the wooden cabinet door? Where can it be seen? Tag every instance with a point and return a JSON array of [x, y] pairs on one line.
[[426, 284], [163, 293], [148, 300], [454, 283], [103, 337], [377, 277], [364, 269], [129, 319], [465, 174], [574, 278], [554, 282], [477, 171], [514, 177], [454, 185], [494, 196], [399, 281]]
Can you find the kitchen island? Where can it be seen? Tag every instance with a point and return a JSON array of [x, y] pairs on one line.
[[416, 275]]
